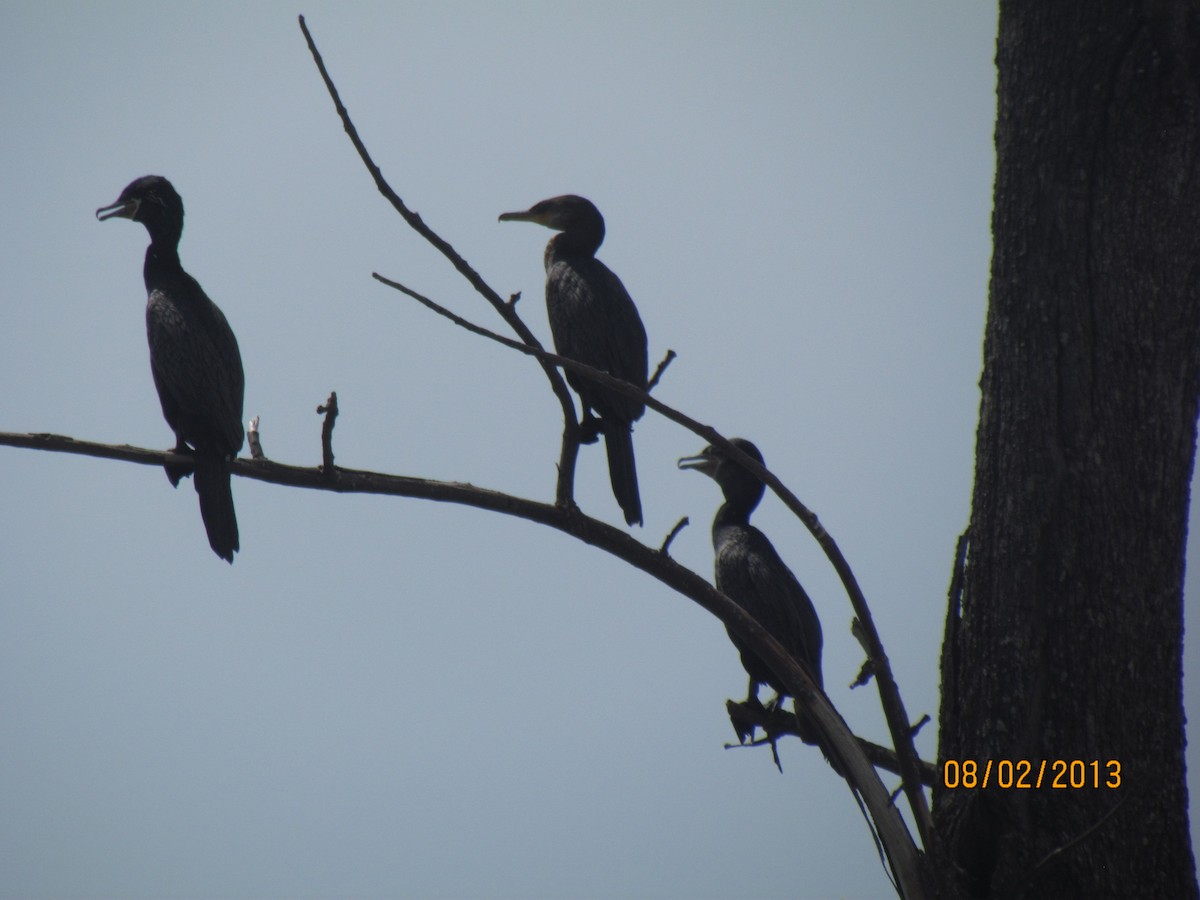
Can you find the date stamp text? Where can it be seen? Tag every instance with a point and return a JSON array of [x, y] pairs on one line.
[[1026, 774]]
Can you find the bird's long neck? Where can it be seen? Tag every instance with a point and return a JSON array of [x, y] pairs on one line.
[[730, 517], [162, 265], [735, 512], [578, 242]]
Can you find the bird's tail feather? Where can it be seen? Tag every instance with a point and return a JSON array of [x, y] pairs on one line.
[[216, 504], [622, 471]]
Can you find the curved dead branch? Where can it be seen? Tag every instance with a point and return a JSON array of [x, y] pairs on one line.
[[894, 712], [899, 724], [902, 854], [508, 311]]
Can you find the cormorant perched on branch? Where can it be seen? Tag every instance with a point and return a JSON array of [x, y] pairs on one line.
[[593, 320], [750, 573], [193, 355]]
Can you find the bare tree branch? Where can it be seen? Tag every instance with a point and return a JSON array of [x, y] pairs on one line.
[[877, 662], [658, 371], [779, 722], [666, 544], [566, 517], [902, 853], [508, 311], [330, 410], [893, 705]]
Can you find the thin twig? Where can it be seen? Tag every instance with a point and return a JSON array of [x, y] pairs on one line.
[[413, 219], [666, 544], [330, 410], [867, 670], [658, 372], [569, 450]]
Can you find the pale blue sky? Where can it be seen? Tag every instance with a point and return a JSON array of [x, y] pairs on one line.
[[386, 697]]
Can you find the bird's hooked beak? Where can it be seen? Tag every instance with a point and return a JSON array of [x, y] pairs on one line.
[[529, 215], [704, 462], [125, 209]]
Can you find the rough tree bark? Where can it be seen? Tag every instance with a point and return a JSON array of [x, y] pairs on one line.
[[1066, 640]]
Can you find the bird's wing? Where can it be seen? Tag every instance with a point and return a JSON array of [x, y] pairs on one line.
[[594, 320], [628, 333], [197, 370], [783, 606]]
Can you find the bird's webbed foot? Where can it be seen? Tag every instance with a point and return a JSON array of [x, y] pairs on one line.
[[176, 473], [745, 723], [742, 720], [589, 428]]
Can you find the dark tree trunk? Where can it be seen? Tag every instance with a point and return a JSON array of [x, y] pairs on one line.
[[1066, 641]]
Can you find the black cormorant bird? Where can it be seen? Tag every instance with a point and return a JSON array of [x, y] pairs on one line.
[[193, 355], [751, 573], [593, 320]]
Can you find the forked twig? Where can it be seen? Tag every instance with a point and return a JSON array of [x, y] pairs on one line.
[[569, 451]]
